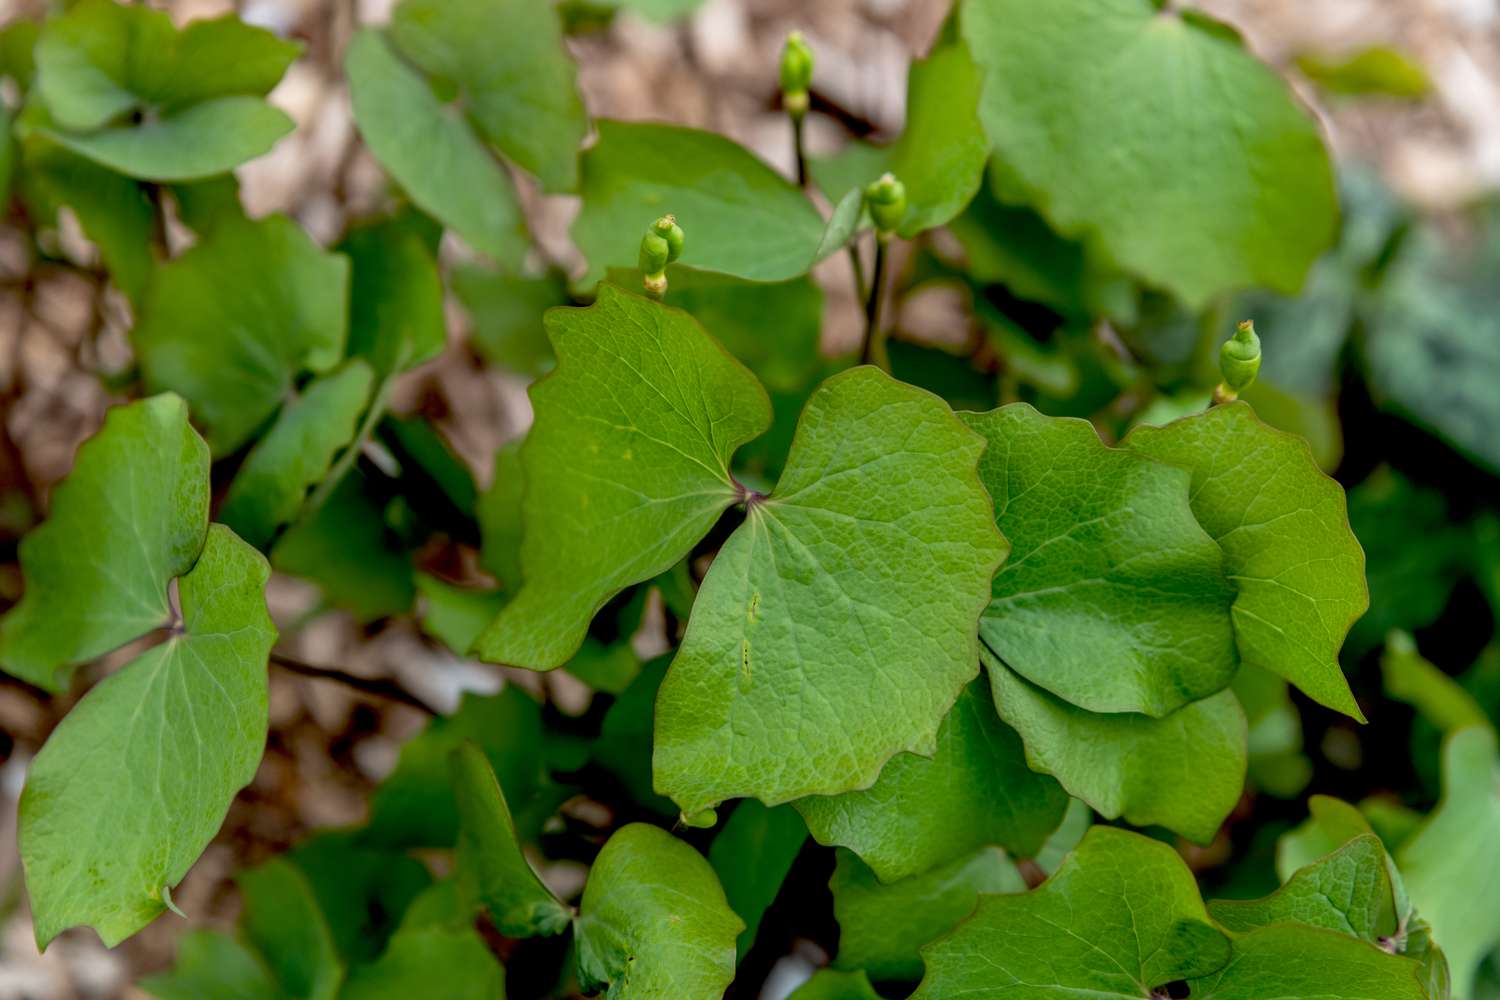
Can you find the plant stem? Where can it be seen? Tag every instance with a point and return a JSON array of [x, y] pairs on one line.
[[379, 688], [874, 347], [858, 264], [801, 155]]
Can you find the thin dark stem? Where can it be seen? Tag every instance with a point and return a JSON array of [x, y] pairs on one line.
[[379, 688], [873, 348], [801, 154], [856, 261]]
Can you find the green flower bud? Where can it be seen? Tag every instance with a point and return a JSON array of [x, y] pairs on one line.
[[1239, 358], [886, 200], [667, 228], [796, 74], [655, 252]]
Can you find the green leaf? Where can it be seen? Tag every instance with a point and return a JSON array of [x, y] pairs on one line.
[[1075, 823], [1288, 547], [625, 737], [281, 918], [395, 297], [489, 852], [1438, 698], [1113, 598], [1184, 772], [1379, 70], [1120, 918], [1073, 104], [294, 454], [514, 77], [941, 154], [1277, 765], [830, 984], [102, 59], [1310, 964], [212, 966], [1331, 824], [881, 926], [231, 322], [432, 152], [197, 142], [438, 960], [456, 615], [654, 924], [113, 210], [499, 515], [923, 812], [127, 520], [1410, 585], [740, 216], [363, 891], [506, 313], [773, 328], [856, 584], [202, 205], [625, 469], [345, 547], [1432, 341], [415, 805], [1451, 868], [133, 784], [752, 856], [1348, 891]]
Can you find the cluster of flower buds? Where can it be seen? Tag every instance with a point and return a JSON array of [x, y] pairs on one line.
[[661, 245], [796, 74], [886, 200]]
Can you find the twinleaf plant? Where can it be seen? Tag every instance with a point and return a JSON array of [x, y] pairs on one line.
[[961, 655]]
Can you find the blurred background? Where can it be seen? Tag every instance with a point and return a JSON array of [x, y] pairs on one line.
[[1389, 364]]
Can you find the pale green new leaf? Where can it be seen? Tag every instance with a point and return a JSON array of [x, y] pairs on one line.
[[131, 787], [1307, 963], [514, 77], [1451, 867], [196, 142], [1348, 891], [882, 926], [1184, 772], [213, 966], [1437, 697], [1120, 918], [231, 322], [489, 852], [1288, 547], [831, 984], [1113, 598], [654, 924], [836, 626], [625, 469], [432, 152], [928, 811], [1079, 104], [293, 455], [282, 919], [740, 216], [128, 519]]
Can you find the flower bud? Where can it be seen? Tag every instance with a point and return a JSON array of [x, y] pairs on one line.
[[886, 200], [1239, 358], [655, 252], [667, 228], [796, 74]]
